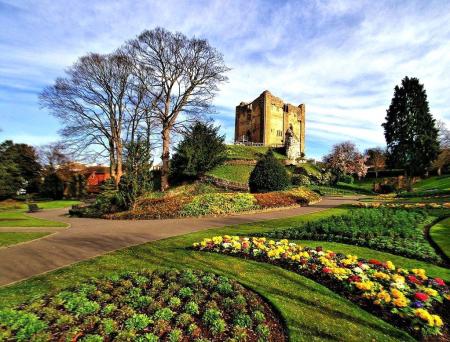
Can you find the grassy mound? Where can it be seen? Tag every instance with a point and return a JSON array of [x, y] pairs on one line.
[[396, 231], [146, 306], [242, 152], [232, 173]]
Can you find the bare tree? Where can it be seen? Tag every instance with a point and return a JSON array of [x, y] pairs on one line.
[[97, 101], [181, 76]]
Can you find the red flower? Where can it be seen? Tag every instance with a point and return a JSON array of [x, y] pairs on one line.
[[326, 270], [421, 296], [414, 280], [439, 281], [375, 262], [319, 249], [354, 278], [245, 245]]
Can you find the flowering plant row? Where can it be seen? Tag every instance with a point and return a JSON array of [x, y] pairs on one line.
[[419, 205], [410, 298]]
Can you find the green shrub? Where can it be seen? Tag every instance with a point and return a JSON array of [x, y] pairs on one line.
[[348, 179], [302, 180], [268, 175], [200, 151], [138, 322], [218, 204]]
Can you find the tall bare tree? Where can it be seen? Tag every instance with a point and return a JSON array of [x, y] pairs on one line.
[[376, 158], [97, 101], [181, 76]]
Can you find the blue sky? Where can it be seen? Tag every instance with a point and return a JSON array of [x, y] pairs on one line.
[[341, 58]]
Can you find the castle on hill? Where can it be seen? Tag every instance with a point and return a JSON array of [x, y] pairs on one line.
[[269, 121]]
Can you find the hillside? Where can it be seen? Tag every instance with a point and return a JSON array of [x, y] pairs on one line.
[[241, 152]]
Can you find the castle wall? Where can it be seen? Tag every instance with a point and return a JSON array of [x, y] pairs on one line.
[[267, 119]]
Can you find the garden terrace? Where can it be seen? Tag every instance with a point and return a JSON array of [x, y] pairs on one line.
[[146, 306], [396, 231]]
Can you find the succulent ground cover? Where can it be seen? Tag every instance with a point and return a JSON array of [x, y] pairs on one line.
[[405, 298], [215, 204], [397, 231], [146, 306]]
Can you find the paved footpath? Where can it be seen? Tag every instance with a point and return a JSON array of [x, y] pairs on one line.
[[87, 238]]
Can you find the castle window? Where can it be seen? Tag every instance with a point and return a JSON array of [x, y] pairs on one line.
[[249, 116], [285, 108]]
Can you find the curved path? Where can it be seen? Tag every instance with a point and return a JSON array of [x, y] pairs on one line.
[[87, 238]]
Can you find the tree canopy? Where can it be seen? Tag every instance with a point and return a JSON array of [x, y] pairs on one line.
[[201, 150], [410, 130]]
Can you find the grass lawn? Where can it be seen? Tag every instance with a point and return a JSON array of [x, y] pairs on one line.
[[7, 239], [13, 214], [234, 173], [440, 233], [433, 183], [311, 311], [249, 152], [20, 219]]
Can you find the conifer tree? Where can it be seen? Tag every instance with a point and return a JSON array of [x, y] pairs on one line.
[[410, 130]]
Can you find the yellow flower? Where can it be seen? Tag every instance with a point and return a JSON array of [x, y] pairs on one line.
[[383, 295], [381, 275], [424, 315], [431, 292], [390, 265], [437, 320], [365, 285], [398, 278], [217, 239], [397, 294], [400, 302], [420, 272]]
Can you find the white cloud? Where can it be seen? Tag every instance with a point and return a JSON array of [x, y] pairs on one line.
[[341, 58]]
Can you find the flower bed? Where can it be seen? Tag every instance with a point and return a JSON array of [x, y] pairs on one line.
[[396, 231], [214, 204], [146, 306], [405, 298], [445, 205]]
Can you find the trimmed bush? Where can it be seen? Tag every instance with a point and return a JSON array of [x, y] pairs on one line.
[[301, 179], [268, 175]]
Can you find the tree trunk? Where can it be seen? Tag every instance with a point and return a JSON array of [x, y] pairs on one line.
[[119, 163], [376, 174], [439, 171], [165, 158], [112, 160]]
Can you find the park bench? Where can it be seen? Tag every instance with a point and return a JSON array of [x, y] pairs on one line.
[[33, 207]]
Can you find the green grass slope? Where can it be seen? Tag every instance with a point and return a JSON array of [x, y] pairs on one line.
[[233, 173], [8, 239], [311, 311], [433, 183], [249, 152], [440, 233]]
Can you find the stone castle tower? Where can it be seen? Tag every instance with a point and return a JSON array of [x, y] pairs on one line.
[[269, 121]]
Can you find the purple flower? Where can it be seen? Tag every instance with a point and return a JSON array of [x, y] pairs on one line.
[[417, 304]]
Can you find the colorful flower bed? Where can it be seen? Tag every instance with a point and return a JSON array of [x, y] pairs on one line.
[[214, 204], [445, 205], [407, 298], [146, 306], [397, 231]]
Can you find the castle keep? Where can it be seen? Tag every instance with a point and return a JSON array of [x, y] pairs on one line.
[[269, 121]]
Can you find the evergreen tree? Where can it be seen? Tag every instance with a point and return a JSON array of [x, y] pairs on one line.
[[410, 130], [200, 151], [11, 179], [268, 175], [53, 187]]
